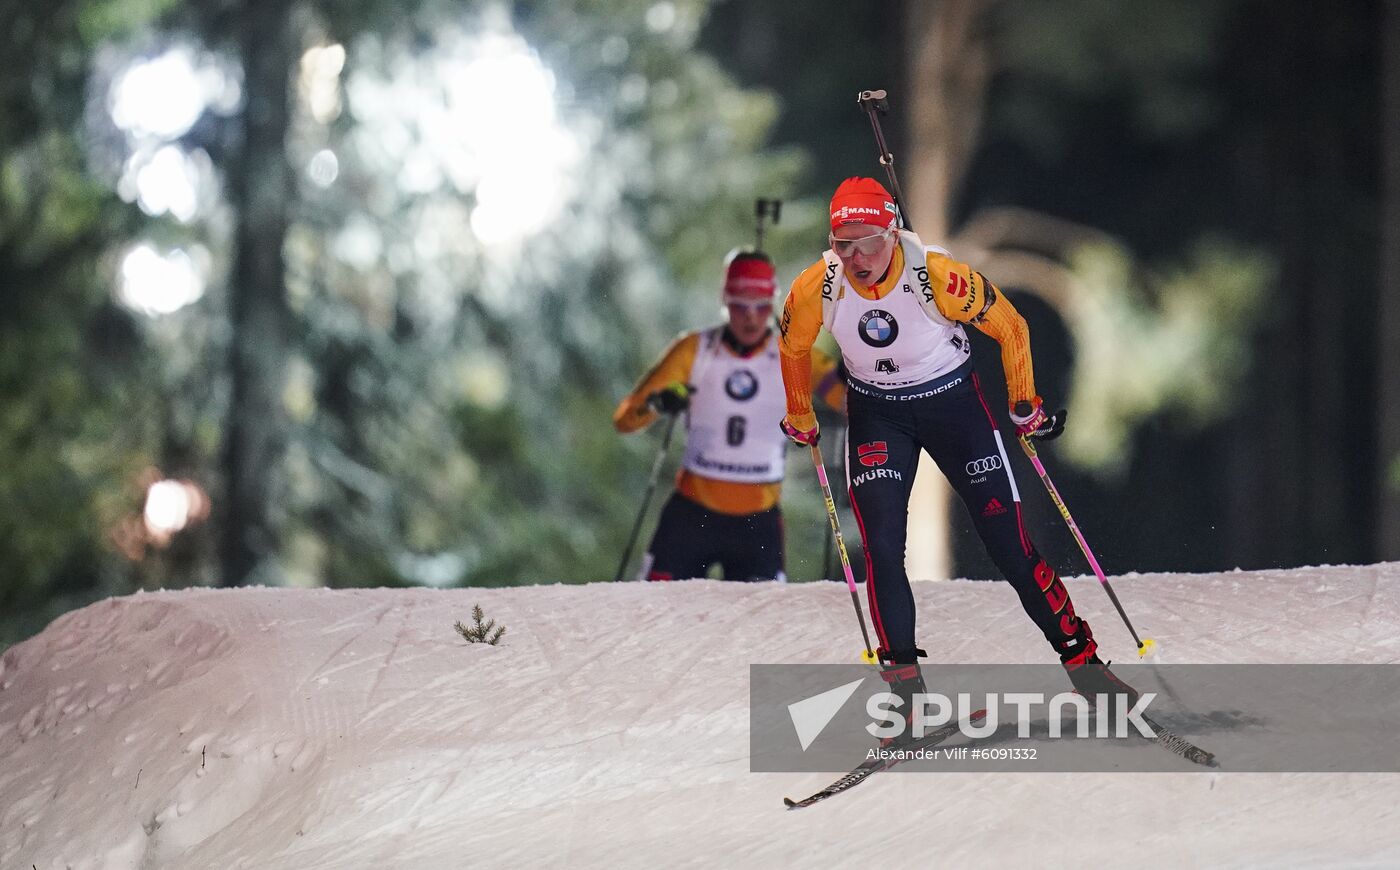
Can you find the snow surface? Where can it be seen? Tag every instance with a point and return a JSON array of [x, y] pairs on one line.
[[282, 728]]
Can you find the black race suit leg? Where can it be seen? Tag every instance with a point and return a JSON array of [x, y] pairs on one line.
[[683, 546], [752, 546], [959, 432], [883, 456]]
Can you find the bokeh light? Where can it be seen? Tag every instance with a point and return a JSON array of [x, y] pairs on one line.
[[320, 80], [160, 98], [166, 181], [155, 102], [172, 505], [488, 124], [323, 168], [156, 284]]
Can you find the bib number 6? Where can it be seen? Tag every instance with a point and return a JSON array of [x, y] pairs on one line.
[[735, 431]]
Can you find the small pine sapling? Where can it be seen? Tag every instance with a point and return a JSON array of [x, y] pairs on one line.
[[484, 631]]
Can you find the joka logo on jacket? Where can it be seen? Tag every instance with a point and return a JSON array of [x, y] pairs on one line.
[[873, 454]]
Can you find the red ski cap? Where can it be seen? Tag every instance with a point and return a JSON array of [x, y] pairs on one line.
[[862, 201], [749, 277]]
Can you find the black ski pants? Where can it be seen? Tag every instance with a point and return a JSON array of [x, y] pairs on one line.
[[951, 421], [690, 538]]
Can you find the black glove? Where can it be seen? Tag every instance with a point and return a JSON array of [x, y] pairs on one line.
[[671, 399], [1032, 421]]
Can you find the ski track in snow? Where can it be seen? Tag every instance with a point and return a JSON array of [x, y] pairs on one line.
[[283, 728]]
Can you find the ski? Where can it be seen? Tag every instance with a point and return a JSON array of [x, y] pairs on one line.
[[1177, 745], [862, 772], [1166, 738]]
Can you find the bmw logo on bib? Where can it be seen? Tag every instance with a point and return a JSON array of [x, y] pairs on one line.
[[878, 328], [742, 385]]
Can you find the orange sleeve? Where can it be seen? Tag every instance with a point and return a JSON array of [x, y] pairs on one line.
[[1004, 323], [801, 321], [965, 296], [632, 412]]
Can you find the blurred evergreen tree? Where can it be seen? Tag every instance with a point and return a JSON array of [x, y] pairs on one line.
[[443, 403], [76, 426]]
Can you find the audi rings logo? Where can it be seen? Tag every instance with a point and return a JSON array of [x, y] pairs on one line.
[[983, 465]]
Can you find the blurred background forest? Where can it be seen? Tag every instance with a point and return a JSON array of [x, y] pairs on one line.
[[343, 293]]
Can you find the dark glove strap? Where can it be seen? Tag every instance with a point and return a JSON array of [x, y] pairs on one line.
[[903, 656]]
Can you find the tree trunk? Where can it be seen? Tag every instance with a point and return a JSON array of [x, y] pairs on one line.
[[261, 193], [1388, 343], [947, 60]]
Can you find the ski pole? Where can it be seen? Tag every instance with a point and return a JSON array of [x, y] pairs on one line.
[[826, 556], [845, 449], [875, 104], [646, 499], [1144, 646], [765, 209], [868, 654]]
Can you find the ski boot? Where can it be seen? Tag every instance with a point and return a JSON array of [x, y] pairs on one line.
[[1091, 676], [901, 671]]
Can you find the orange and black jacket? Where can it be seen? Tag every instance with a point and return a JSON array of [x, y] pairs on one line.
[[802, 319]]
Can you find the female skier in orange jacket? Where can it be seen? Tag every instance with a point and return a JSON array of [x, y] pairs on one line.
[[897, 308], [727, 381]]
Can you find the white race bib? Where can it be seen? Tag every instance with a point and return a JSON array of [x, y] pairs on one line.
[[733, 420], [897, 341]]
